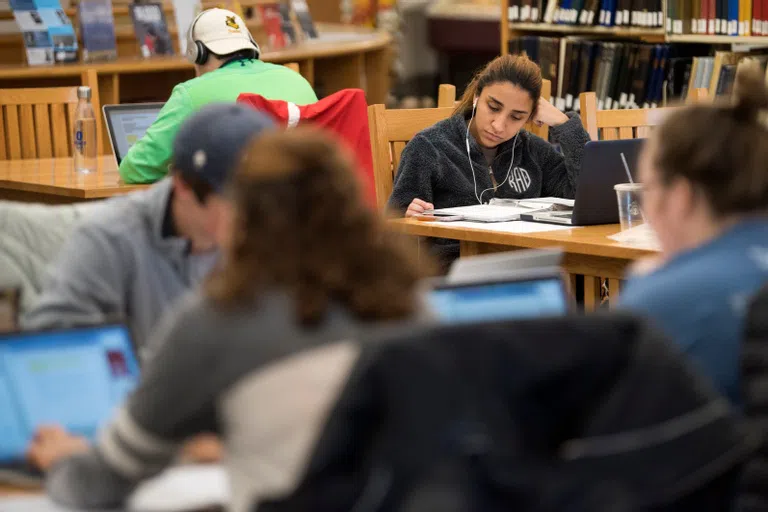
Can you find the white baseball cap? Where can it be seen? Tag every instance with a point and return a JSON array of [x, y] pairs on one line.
[[222, 32]]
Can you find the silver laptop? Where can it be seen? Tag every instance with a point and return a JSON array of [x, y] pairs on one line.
[[503, 263], [529, 293], [126, 124]]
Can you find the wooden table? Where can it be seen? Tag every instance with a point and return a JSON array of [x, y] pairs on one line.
[[349, 57], [588, 250], [54, 180]]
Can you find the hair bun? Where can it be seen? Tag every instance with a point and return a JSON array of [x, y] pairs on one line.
[[749, 90]]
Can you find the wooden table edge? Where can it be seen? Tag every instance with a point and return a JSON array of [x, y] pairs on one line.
[[303, 51], [527, 240]]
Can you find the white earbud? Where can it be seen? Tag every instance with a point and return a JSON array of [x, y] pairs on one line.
[[479, 197]]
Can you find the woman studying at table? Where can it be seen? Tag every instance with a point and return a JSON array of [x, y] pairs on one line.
[[706, 196], [482, 151], [258, 355]]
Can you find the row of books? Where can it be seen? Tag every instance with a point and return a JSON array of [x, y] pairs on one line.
[[610, 13], [43, 24], [623, 75], [717, 73], [723, 17]]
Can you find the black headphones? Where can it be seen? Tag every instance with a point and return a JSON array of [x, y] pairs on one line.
[[198, 53]]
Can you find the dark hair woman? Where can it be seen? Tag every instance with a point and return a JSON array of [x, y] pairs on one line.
[[483, 152]]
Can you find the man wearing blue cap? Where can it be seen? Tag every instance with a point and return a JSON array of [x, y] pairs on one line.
[[146, 249]]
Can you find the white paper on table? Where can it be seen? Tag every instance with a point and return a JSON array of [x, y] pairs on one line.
[[30, 503], [176, 489], [641, 236], [517, 226], [183, 488], [535, 202]]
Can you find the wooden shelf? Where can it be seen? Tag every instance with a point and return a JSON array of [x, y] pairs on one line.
[[655, 35], [629, 32], [713, 39]]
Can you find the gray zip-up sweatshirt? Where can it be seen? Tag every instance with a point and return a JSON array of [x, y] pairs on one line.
[[119, 265]]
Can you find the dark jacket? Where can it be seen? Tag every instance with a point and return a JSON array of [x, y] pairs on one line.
[[434, 167], [754, 374], [584, 414]]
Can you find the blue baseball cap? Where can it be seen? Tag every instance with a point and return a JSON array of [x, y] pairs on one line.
[[210, 141]]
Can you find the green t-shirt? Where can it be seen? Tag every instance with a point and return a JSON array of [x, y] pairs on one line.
[[147, 161]]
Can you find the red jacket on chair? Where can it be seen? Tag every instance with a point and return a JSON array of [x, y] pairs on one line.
[[344, 112]]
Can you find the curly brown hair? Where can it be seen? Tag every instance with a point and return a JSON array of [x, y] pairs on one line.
[[300, 225]]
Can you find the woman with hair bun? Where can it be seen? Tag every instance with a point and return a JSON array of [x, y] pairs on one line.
[[705, 178]]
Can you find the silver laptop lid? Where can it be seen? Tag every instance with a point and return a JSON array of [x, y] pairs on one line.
[[126, 124], [503, 264]]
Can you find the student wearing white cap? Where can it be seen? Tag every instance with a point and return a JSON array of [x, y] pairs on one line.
[[226, 60]]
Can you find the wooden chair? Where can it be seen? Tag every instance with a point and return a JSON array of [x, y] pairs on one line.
[[390, 131], [446, 97], [39, 123], [618, 125], [622, 124]]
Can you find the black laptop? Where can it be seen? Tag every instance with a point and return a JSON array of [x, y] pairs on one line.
[[601, 169]]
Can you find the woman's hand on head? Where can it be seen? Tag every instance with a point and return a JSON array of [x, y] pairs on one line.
[[417, 207], [52, 444], [548, 114]]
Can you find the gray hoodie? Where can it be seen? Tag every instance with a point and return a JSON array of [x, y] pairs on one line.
[[118, 265]]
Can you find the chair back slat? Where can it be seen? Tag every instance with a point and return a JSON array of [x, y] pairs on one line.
[[390, 131], [623, 124], [37, 122], [446, 96], [13, 131], [28, 138], [43, 132], [61, 145], [3, 138]]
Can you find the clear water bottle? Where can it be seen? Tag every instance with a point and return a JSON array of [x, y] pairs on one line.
[[85, 153]]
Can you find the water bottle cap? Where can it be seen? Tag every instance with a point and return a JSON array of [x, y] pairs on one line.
[[84, 92]]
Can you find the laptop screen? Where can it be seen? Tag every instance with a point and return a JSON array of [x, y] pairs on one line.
[[73, 378], [499, 300], [128, 123]]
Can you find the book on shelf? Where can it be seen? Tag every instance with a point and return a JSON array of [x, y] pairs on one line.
[[272, 22], [47, 31], [619, 13], [622, 74], [718, 17], [151, 29], [287, 23], [301, 10], [185, 12], [97, 30]]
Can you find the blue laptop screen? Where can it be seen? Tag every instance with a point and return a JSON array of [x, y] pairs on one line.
[[73, 378], [499, 301]]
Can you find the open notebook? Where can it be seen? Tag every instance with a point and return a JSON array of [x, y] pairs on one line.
[[500, 210]]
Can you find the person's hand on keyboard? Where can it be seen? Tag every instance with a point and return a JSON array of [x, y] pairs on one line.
[[52, 444]]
